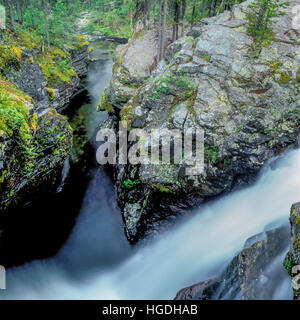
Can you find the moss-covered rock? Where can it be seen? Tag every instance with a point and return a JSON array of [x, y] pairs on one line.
[[35, 140], [34, 70], [34, 167]]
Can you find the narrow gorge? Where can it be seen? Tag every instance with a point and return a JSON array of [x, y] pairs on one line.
[[71, 228]]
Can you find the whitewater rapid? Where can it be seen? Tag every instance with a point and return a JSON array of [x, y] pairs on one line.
[[97, 262]]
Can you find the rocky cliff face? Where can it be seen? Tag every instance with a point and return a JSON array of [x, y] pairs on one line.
[[46, 94], [292, 259], [248, 276], [249, 109], [36, 167], [35, 140]]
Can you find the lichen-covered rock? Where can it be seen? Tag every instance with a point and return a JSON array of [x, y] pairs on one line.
[[249, 275], [293, 257], [248, 108]]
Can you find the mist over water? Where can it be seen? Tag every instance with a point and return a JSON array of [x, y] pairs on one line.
[[98, 263]]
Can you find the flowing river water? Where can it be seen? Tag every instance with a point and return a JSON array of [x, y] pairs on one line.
[[97, 262]]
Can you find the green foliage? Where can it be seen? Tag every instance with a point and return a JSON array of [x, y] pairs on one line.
[[166, 84], [14, 115], [56, 64], [56, 67], [111, 23], [104, 103], [109, 17], [80, 137], [131, 184], [288, 266], [261, 18], [211, 154], [61, 19]]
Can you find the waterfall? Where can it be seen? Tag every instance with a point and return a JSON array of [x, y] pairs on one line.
[[98, 263]]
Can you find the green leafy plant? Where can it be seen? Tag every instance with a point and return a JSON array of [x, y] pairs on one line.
[[131, 184], [166, 84], [288, 266], [211, 154], [261, 18]]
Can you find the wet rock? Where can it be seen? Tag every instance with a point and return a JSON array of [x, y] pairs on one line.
[[201, 291], [31, 80], [292, 259], [249, 276]]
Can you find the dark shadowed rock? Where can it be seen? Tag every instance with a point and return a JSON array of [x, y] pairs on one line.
[[29, 174], [248, 275], [201, 291]]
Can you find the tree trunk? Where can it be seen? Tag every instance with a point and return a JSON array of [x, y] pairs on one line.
[[164, 27], [19, 11], [174, 23], [193, 13], [154, 13], [46, 25], [12, 16], [183, 17], [177, 20], [220, 8], [159, 31], [212, 8], [148, 11], [203, 8], [145, 13]]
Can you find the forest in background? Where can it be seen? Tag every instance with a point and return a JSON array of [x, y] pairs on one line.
[[56, 20]]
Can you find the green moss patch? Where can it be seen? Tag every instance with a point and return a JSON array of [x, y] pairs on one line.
[[14, 114]]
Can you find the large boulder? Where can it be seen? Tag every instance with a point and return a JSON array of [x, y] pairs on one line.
[[248, 108], [133, 64]]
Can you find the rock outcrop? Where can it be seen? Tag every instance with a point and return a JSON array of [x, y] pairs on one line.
[[29, 170], [35, 140], [250, 275], [30, 78], [292, 260], [249, 109]]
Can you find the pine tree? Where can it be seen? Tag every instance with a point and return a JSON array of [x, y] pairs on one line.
[[261, 18]]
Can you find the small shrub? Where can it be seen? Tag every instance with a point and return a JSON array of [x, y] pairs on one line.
[[131, 184], [261, 18]]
